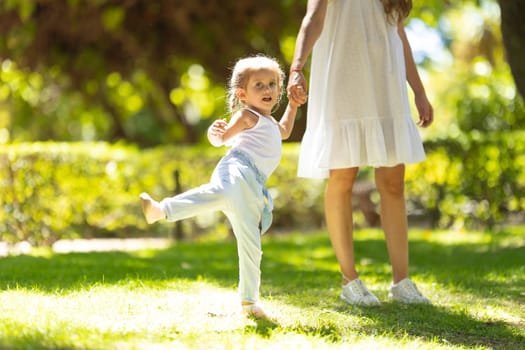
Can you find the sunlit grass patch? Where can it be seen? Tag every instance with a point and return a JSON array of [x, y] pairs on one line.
[[185, 297]]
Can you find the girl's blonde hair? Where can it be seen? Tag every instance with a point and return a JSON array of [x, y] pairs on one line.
[[396, 10], [242, 71]]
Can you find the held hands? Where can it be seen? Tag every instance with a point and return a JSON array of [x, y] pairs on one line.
[[216, 131], [297, 89]]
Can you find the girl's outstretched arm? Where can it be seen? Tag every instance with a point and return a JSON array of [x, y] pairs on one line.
[[425, 110], [220, 131], [288, 120]]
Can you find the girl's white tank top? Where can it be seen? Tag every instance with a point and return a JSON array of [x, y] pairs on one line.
[[262, 143]]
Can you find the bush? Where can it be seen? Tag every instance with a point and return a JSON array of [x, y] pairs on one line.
[[477, 181], [51, 191]]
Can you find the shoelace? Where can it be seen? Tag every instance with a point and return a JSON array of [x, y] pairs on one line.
[[359, 289], [411, 289]]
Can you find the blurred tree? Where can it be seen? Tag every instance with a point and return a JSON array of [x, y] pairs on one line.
[[478, 89], [154, 72], [130, 57]]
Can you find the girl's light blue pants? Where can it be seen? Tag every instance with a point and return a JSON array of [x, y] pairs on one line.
[[237, 189]]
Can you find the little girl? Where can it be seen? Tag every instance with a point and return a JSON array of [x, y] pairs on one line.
[[237, 185]]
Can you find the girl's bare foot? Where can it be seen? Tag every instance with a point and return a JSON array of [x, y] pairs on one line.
[[254, 310], [151, 209]]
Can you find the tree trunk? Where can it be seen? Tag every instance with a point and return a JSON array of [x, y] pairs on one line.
[[513, 31]]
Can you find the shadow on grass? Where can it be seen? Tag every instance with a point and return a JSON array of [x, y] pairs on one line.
[[301, 271], [262, 327], [439, 324]]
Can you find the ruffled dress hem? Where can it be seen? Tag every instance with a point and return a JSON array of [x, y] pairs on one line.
[[348, 143]]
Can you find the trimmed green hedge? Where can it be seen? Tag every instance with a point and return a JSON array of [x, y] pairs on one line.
[[50, 191]]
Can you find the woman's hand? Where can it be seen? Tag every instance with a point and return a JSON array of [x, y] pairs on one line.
[[425, 110]]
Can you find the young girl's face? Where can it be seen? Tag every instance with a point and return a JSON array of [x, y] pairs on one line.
[[262, 91]]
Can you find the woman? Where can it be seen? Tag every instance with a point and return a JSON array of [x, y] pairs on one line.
[[359, 115]]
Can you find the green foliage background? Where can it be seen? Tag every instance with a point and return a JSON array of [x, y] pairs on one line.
[[51, 191], [153, 73], [140, 82]]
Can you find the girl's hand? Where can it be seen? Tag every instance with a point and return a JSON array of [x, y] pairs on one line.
[[216, 131], [425, 110], [218, 127]]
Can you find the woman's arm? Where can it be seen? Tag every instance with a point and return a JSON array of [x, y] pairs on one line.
[[425, 110], [311, 28]]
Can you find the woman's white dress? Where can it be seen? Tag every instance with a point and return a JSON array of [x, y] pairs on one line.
[[358, 110]]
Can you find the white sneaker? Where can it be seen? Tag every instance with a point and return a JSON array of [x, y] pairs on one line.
[[405, 291], [355, 293]]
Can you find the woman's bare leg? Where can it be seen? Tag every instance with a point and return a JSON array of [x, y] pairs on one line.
[[338, 213], [390, 185]]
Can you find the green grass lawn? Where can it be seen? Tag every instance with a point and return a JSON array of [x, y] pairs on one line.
[[184, 297]]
